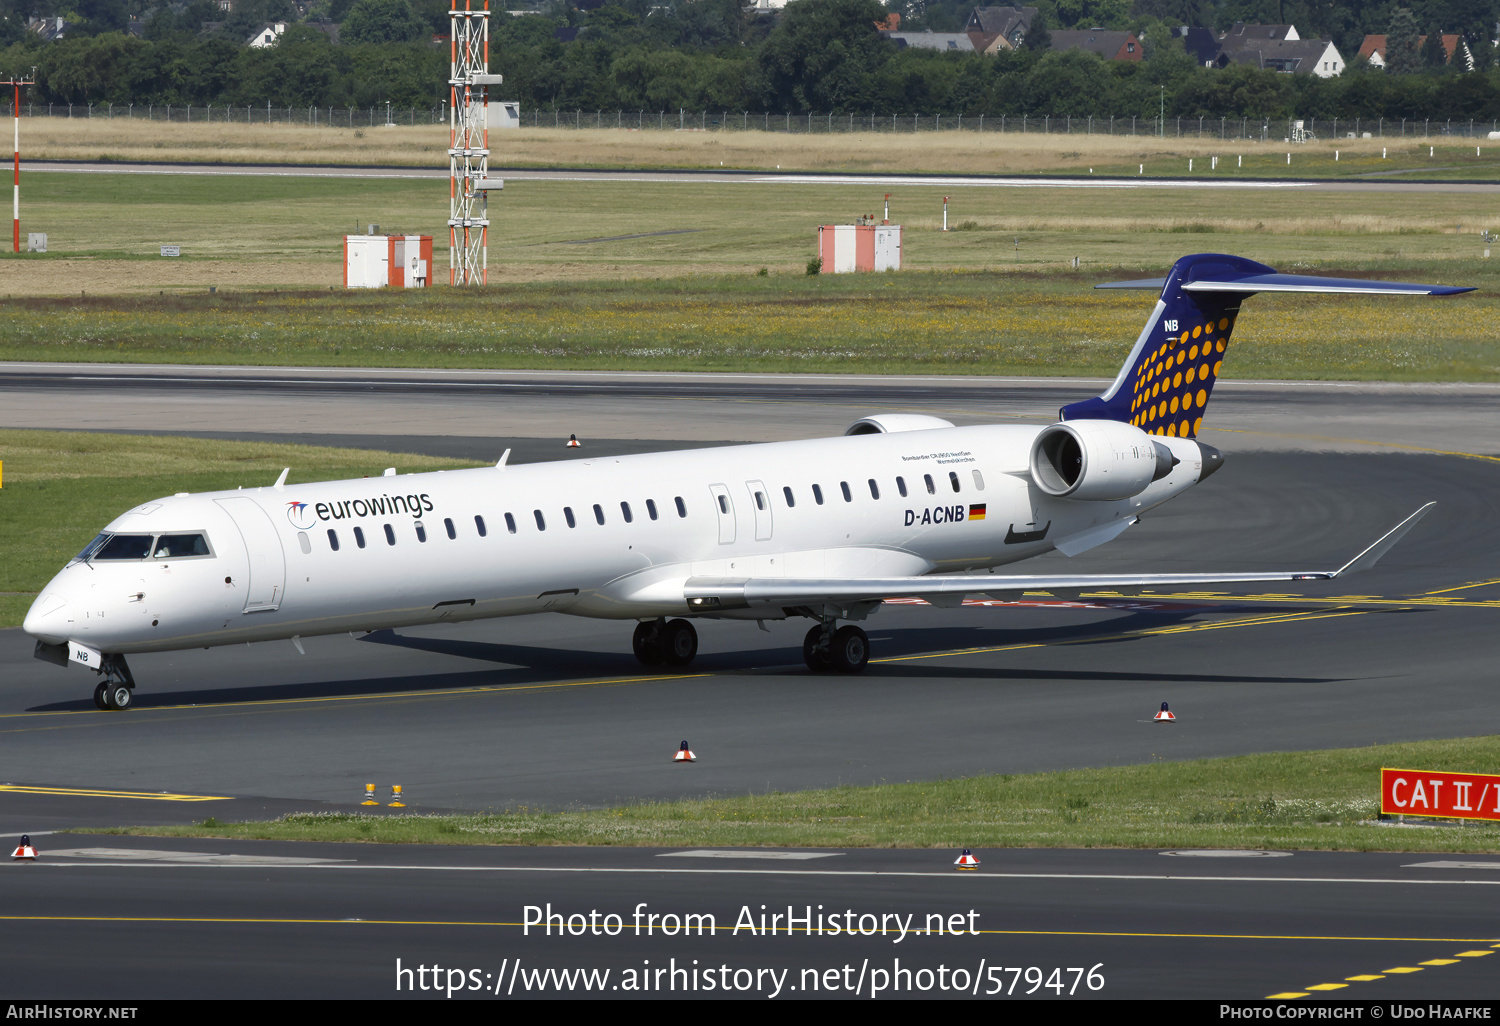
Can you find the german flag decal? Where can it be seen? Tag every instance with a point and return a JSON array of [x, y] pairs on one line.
[[976, 512]]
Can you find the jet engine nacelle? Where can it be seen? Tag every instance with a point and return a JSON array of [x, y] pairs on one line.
[[1097, 459], [887, 423]]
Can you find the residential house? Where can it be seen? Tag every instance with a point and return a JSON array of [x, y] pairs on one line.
[[948, 42], [1111, 45], [1373, 50], [265, 35], [1242, 34], [1307, 56], [50, 29], [992, 29], [1201, 43]]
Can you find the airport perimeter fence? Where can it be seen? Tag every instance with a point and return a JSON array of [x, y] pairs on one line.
[[1226, 129]]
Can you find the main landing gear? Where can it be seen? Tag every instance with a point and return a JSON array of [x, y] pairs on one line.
[[116, 691], [673, 642], [846, 650]]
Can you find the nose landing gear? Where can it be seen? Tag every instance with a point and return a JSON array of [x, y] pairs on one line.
[[117, 690], [672, 642]]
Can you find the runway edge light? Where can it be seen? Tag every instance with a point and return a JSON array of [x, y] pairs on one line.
[[573, 442], [370, 798], [24, 850], [396, 802], [684, 754], [1164, 716], [967, 860]]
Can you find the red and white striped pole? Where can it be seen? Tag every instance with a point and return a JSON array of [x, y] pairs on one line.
[[16, 200]]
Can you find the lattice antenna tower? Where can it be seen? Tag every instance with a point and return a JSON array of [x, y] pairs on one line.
[[469, 82]]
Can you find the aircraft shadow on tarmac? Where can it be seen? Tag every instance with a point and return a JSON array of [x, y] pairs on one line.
[[523, 665]]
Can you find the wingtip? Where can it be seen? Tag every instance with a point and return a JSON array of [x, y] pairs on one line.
[[1372, 554]]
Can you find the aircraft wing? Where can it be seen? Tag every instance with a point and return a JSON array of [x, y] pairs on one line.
[[710, 594]]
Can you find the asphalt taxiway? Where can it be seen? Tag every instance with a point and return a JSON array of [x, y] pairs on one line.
[[552, 711], [214, 919]]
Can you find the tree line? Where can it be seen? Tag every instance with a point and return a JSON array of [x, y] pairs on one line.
[[819, 55]]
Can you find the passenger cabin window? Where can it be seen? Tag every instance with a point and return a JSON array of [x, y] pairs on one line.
[[844, 487], [901, 486], [760, 500], [448, 526], [568, 516], [359, 537], [953, 477], [421, 531], [978, 480], [723, 504], [303, 543], [874, 489], [599, 514], [333, 539], [390, 535], [931, 488], [510, 523], [541, 524], [681, 507], [181, 546], [651, 508], [787, 491], [625, 512], [479, 525], [818, 494]]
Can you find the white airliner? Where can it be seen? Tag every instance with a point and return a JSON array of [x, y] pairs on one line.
[[901, 506]]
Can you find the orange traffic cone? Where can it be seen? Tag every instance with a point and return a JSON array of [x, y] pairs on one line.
[[24, 850], [1165, 716], [967, 860], [684, 754], [573, 442]]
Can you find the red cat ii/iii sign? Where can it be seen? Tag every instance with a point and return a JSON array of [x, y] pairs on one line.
[[1431, 793]]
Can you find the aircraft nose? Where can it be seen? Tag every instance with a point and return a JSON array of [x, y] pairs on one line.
[[48, 618]]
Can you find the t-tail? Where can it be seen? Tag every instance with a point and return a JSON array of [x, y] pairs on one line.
[[1166, 382]]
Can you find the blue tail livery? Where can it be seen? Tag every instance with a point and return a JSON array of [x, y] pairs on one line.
[[1166, 382]]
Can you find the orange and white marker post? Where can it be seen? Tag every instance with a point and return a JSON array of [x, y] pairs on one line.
[[17, 83], [945, 213]]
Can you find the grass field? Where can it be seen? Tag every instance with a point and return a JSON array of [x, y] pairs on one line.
[[103, 138], [996, 294], [60, 488], [1303, 800]]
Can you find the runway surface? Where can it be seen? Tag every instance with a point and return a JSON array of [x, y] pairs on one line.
[[1381, 184], [553, 712]]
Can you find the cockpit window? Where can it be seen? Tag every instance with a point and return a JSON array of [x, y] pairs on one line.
[[89, 549], [181, 546], [123, 546]]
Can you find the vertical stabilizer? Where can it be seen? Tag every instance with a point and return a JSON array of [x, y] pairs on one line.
[[1166, 383]]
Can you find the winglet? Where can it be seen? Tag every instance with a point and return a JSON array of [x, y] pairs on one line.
[[1370, 556], [282, 479], [504, 456]]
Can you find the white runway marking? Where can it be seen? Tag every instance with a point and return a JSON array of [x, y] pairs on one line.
[[706, 854], [194, 858], [270, 862]]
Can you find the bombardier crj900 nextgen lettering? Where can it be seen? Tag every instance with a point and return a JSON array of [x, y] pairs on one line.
[[900, 506]]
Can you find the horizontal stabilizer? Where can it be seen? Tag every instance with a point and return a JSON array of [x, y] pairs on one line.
[[712, 594], [1315, 283], [1154, 284]]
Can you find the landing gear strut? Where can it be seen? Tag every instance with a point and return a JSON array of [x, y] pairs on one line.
[[117, 690], [846, 650], [672, 642]]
